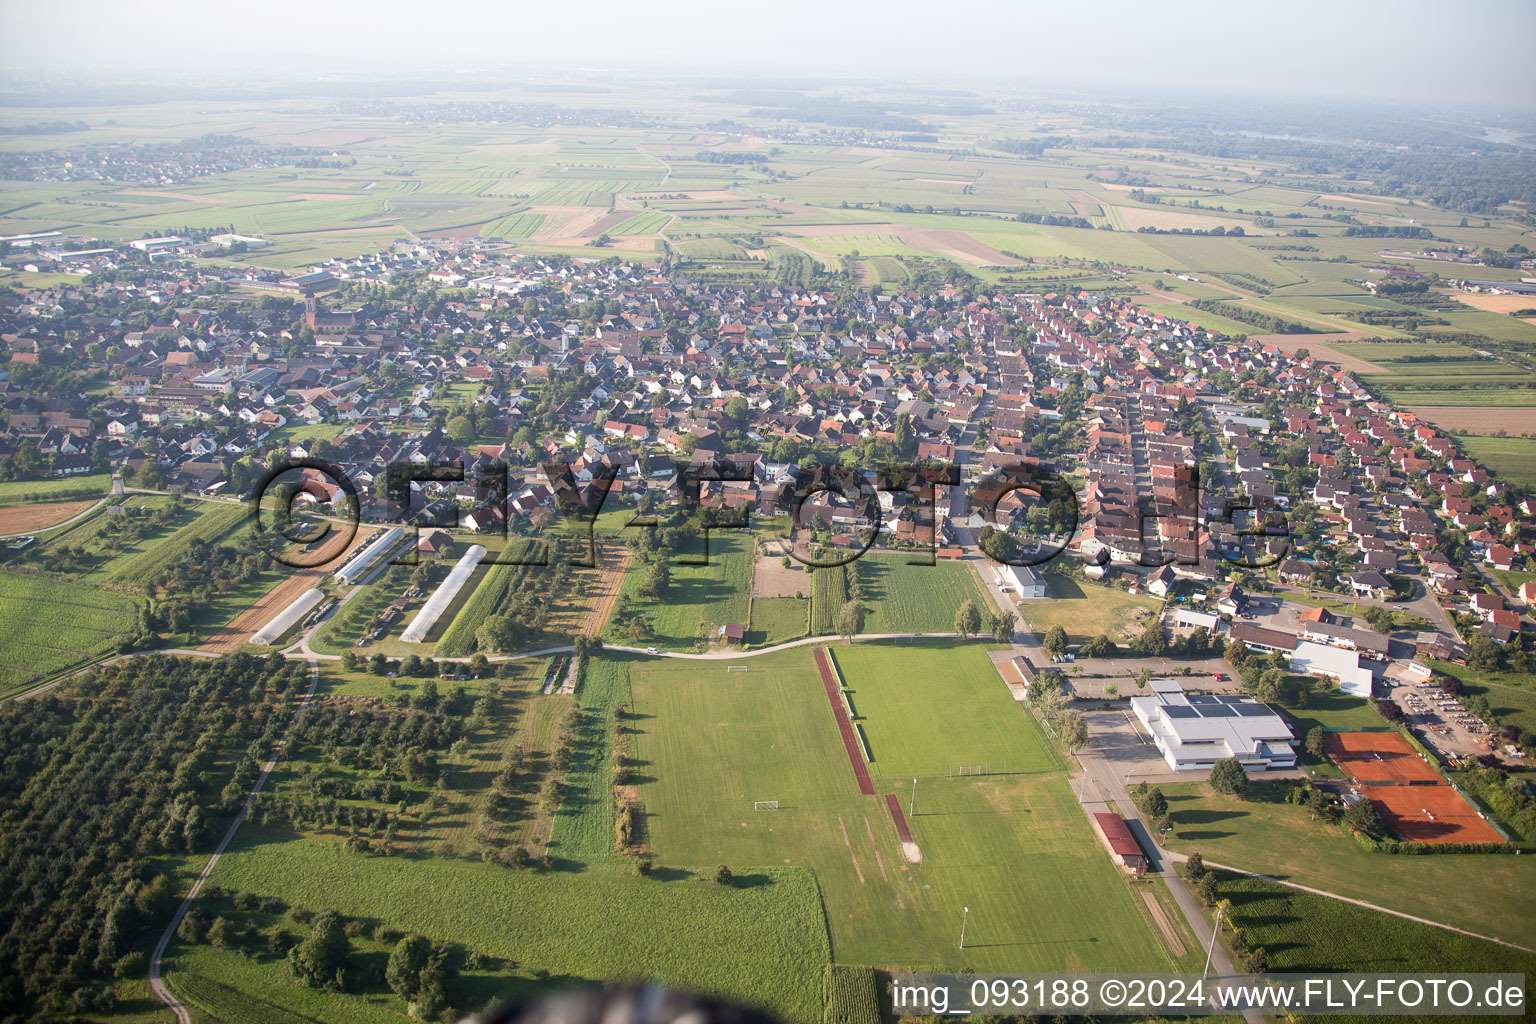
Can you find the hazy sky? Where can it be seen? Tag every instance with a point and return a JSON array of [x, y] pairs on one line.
[[1472, 50]]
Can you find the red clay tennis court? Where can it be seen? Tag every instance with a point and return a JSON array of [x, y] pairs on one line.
[[1430, 814], [1385, 757]]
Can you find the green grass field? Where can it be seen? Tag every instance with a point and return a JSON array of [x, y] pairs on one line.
[[763, 942], [711, 594], [776, 619], [52, 624], [1302, 932], [1487, 894], [904, 598], [1085, 610], [27, 492], [1511, 459], [897, 708], [712, 742]]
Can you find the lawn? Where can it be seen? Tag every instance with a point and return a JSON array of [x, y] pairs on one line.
[[1301, 932], [904, 598], [26, 492], [52, 624], [1334, 709], [776, 619], [1016, 848], [1085, 610], [711, 594], [1484, 893], [898, 691]]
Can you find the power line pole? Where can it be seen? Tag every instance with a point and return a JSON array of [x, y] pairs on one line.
[[1209, 952], [963, 917], [912, 804]]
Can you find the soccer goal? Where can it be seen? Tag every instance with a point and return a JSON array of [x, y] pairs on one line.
[[765, 805], [736, 668]]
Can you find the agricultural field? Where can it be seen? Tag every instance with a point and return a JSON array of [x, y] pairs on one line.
[[213, 523], [51, 625], [1511, 459], [39, 516], [711, 750], [1085, 610], [1483, 893], [1302, 932], [903, 598]]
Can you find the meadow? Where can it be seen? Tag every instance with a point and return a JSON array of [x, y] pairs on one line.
[[903, 598], [712, 742], [27, 492], [776, 619], [1086, 610], [1483, 893], [1302, 932], [700, 596], [762, 942]]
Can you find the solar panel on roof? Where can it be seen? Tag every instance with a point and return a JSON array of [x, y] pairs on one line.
[[1217, 711], [1201, 698], [1180, 711], [1253, 710], [1231, 699]]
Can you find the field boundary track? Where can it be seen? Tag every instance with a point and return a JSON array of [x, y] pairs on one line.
[[844, 726]]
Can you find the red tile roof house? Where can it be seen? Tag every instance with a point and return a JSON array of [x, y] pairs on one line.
[[1500, 557]]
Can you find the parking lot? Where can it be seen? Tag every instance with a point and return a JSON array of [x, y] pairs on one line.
[[1440, 721]]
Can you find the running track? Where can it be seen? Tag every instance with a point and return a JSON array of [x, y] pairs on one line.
[[900, 819], [850, 741]]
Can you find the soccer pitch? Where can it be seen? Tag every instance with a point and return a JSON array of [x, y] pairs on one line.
[[1016, 849]]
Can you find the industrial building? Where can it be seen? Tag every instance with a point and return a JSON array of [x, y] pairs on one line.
[[1194, 731]]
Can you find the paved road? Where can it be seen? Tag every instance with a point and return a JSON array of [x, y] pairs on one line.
[[156, 984], [1101, 784]]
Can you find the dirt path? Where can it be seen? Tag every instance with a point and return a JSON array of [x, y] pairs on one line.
[[1170, 934]]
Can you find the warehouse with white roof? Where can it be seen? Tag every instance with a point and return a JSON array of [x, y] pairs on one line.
[[1193, 731]]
